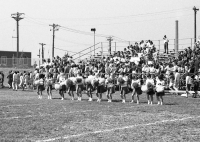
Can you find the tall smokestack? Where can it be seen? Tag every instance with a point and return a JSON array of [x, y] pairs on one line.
[[176, 38]]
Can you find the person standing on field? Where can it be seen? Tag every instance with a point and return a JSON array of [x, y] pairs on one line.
[[165, 43]]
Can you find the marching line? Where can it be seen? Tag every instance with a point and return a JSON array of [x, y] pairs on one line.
[[114, 129]]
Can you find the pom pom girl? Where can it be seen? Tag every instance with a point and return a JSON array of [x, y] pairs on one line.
[[160, 84], [150, 89], [61, 81], [40, 86], [72, 87], [110, 88], [95, 84], [79, 86], [100, 87], [89, 87], [136, 86], [196, 85], [124, 87], [49, 83]]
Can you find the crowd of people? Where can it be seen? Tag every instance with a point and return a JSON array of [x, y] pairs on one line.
[[136, 69]]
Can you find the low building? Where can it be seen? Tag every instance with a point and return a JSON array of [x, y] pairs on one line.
[[8, 59]]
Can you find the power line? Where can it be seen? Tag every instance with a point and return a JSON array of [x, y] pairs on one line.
[[71, 41], [135, 21], [82, 32], [36, 21], [123, 16]]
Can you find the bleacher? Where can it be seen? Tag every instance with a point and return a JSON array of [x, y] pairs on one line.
[[163, 57]]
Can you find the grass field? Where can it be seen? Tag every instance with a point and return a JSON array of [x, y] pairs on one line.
[[25, 118]]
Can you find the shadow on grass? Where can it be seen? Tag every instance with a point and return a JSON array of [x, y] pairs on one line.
[[171, 104]]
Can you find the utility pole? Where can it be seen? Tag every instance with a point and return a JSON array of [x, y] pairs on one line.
[[42, 52], [109, 39], [54, 28], [195, 26], [17, 17], [39, 57]]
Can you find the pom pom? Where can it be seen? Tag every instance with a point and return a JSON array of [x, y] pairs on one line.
[[102, 82], [121, 80], [41, 82], [78, 80], [37, 82], [95, 82], [87, 81], [109, 80], [149, 85], [69, 83], [160, 88], [144, 88], [57, 86], [63, 83], [135, 85]]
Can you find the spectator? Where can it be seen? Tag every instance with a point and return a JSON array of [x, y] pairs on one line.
[[166, 44]]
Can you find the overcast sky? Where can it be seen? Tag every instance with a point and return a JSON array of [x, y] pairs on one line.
[[125, 20]]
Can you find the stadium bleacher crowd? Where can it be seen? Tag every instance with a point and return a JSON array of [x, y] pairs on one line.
[[136, 69]]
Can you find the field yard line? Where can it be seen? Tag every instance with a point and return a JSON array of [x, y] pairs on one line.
[[21, 105], [42, 115], [119, 128]]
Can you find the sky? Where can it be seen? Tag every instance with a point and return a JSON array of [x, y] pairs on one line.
[[124, 20]]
